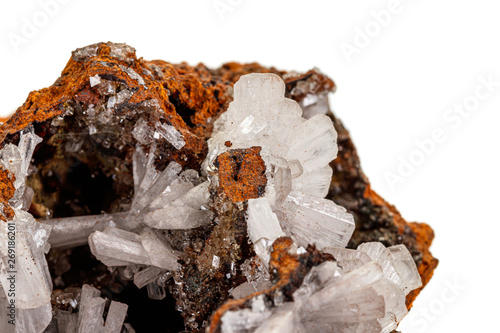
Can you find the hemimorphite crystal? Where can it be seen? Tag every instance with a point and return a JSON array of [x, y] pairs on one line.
[[118, 250], [147, 275], [33, 285], [91, 317], [116, 315], [261, 116], [331, 299], [313, 220], [263, 225], [397, 263], [297, 153]]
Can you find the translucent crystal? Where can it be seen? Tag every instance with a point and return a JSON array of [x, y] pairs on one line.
[[147, 194], [121, 51], [282, 184], [350, 298], [147, 275], [312, 220], [115, 318], [315, 183], [127, 328], [284, 319], [33, 320], [243, 290], [257, 273], [158, 250], [172, 135], [404, 264], [174, 191], [348, 259], [186, 212], [17, 160], [94, 80], [314, 143], [133, 74], [74, 231], [120, 233], [313, 104], [129, 271], [88, 293], [111, 102], [27, 198], [123, 95], [395, 304], [142, 132], [27, 266], [378, 253], [105, 116], [332, 298], [84, 53], [263, 226], [146, 175], [262, 222], [72, 146], [156, 291], [91, 317], [140, 160], [363, 290], [317, 278], [117, 251], [33, 282], [67, 322]]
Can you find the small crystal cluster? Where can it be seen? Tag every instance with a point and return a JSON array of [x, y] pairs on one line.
[[359, 290], [297, 153], [89, 317], [24, 275], [363, 291]]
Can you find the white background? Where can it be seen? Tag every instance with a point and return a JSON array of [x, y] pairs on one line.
[[395, 90]]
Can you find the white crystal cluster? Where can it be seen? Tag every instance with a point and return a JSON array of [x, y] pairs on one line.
[[363, 291], [133, 241], [90, 314], [297, 153], [24, 276], [296, 150], [169, 200]]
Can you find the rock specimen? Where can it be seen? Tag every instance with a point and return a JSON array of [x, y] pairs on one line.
[[201, 200]]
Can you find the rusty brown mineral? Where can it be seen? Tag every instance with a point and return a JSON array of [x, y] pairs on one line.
[[242, 174]]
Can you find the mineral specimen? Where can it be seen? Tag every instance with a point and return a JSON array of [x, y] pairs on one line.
[[217, 191]]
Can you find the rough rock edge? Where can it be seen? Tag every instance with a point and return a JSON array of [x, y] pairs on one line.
[[192, 98]]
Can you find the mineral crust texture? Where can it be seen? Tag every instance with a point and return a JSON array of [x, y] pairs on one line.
[[146, 196]]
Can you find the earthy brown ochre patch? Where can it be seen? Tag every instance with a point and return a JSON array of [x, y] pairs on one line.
[[190, 97], [424, 236], [242, 173], [6, 192]]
